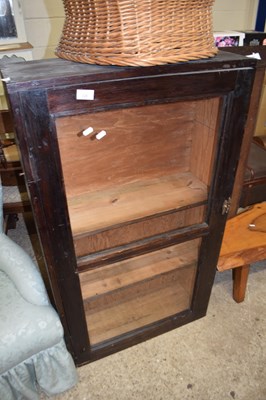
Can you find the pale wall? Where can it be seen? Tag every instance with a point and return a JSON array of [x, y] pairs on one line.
[[234, 14], [44, 20]]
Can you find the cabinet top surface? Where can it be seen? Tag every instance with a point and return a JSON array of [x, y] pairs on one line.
[[54, 72]]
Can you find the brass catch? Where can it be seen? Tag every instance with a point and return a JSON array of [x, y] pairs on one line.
[[226, 206]]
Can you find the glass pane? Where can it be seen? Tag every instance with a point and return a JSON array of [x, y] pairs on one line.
[[7, 20], [150, 174], [128, 295]]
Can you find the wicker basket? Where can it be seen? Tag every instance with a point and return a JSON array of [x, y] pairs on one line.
[[137, 32]]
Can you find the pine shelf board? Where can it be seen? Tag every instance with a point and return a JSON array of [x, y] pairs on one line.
[[128, 202]]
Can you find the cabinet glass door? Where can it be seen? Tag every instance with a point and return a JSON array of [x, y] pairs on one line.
[[135, 177], [148, 175], [131, 294]]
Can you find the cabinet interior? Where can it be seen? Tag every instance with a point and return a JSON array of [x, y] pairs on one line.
[[149, 175], [154, 160], [130, 294]]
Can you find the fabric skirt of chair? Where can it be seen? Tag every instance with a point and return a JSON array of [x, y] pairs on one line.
[[137, 32]]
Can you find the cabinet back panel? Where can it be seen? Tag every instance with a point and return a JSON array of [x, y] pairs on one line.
[[141, 143]]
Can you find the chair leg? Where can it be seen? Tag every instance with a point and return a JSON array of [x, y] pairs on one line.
[[10, 221], [240, 278]]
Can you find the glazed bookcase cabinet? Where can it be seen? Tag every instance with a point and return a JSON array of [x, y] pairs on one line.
[[130, 224]]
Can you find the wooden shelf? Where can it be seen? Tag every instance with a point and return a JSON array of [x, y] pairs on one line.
[[133, 201], [121, 297]]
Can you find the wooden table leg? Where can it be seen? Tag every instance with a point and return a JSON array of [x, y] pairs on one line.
[[240, 278]]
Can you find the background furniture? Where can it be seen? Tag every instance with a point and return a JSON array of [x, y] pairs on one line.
[[33, 356], [256, 113], [244, 243], [129, 171], [254, 186], [15, 197], [250, 191]]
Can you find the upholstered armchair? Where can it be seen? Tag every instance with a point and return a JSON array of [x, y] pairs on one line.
[[33, 356]]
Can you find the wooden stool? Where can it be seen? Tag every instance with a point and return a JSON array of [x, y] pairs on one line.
[[244, 242]]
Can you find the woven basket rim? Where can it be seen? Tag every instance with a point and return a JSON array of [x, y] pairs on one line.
[[124, 32]]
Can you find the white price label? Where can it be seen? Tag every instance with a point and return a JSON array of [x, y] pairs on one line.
[[85, 94]]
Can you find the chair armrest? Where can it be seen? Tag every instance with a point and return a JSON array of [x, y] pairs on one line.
[[20, 268]]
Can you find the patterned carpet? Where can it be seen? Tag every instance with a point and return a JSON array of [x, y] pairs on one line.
[[219, 357]]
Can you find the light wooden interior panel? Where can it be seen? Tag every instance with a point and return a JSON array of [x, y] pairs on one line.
[[116, 236], [100, 209], [204, 139], [141, 143], [120, 297], [142, 167]]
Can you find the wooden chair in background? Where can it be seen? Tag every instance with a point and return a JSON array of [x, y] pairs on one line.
[[15, 195]]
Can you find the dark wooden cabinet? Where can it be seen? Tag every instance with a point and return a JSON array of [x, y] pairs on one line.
[[130, 216]]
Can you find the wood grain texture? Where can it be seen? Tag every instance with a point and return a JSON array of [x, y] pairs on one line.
[[204, 139], [242, 244], [129, 202], [89, 243], [128, 172], [240, 279], [140, 247], [128, 272], [121, 297], [141, 143]]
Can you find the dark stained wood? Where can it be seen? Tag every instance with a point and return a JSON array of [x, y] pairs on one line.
[[231, 138], [196, 129], [127, 92], [6, 123], [251, 119], [57, 72], [47, 199]]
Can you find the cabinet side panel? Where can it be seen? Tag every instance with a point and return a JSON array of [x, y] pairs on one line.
[[204, 139]]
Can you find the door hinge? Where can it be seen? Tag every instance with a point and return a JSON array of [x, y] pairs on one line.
[[226, 206]]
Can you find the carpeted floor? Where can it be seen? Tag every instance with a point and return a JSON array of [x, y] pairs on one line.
[[220, 357]]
